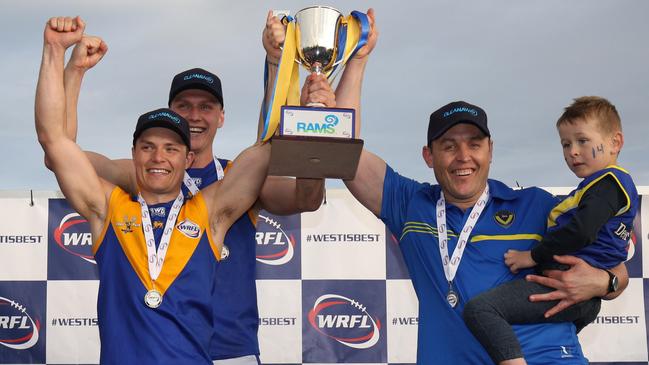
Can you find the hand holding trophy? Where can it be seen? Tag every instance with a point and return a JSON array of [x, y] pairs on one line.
[[313, 141]]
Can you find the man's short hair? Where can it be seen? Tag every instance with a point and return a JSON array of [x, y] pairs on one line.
[[594, 107]]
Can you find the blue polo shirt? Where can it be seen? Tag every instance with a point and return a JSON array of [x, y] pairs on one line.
[[513, 219]]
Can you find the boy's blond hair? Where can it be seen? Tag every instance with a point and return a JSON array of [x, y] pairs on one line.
[[596, 108]]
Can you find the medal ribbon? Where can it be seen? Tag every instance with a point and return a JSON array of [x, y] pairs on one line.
[[156, 259], [451, 265], [287, 82], [191, 185]]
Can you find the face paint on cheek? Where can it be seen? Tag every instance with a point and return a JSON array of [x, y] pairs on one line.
[[600, 148], [593, 152]]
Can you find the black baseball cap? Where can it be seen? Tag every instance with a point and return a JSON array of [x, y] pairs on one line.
[[163, 118], [196, 78], [455, 113]]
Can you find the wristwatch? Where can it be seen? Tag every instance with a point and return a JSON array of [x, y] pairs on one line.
[[613, 283]]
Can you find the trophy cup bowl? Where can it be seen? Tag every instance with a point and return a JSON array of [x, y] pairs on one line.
[[317, 37]]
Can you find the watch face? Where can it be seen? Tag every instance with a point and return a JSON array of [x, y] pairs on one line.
[[614, 283]]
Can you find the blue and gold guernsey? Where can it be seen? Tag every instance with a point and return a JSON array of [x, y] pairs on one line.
[[610, 246], [180, 330], [236, 317], [512, 219]]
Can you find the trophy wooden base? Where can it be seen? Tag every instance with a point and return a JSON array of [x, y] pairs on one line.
[[314, 157]]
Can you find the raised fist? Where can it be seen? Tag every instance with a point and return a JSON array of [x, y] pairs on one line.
[[87, 53], [272, 37], [63, 31]]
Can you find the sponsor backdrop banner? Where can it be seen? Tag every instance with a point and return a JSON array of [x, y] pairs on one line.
[[332, 288]]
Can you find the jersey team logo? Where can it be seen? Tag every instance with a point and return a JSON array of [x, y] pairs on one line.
[[127, 224], [345, 320], [75, 241], [18, 330], [504, 217], [279, 247], [189, 228]]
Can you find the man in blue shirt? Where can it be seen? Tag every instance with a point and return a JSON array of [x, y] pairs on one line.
[[453, 242]]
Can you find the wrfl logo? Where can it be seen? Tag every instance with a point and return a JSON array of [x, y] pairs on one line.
[[74, 243], [328, 127], [18, 330], [281, 245], [189, 228], [344, 320]]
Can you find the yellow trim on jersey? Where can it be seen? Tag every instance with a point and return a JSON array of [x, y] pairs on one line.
[[227, 166], [573, 201], [208, 230], [421, 227], [507, 237], [98, 240]]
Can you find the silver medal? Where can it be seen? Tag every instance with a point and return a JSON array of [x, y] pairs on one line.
[[225, 252], [452, 298], [153, 298]]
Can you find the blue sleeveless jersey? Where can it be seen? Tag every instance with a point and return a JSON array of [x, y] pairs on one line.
[[180, 330], [513, 219], [610, 246], [235, 304]]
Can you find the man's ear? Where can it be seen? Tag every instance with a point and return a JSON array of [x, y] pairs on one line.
[[221, 121], [427, 154], [189, 160]]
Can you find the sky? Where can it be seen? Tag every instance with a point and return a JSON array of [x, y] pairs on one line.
[[522, 61]]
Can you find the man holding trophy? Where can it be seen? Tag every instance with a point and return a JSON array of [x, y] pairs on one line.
[[459, 150], [197, 96]]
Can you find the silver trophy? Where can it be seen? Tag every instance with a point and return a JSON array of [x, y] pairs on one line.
[[316, 142], [316, 30]]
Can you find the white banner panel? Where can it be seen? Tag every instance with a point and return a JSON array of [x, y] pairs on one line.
[[342, 240], [402, 317], [23, 238], [72, 332], [619, 333], [280, 321]]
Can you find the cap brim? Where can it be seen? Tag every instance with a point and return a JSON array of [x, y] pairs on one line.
[[199, 86], [461, 121], [167, 125]]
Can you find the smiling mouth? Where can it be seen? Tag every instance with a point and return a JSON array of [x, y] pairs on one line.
[[158, 171], [196, 130], [462, 172]]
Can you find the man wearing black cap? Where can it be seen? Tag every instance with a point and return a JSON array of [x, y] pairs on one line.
[[197, 95], [454, 235], [156, 292]]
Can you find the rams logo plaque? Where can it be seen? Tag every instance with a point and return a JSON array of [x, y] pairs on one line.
[[504, 217]]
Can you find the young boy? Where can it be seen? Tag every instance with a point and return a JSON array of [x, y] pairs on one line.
[[594, 223]]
